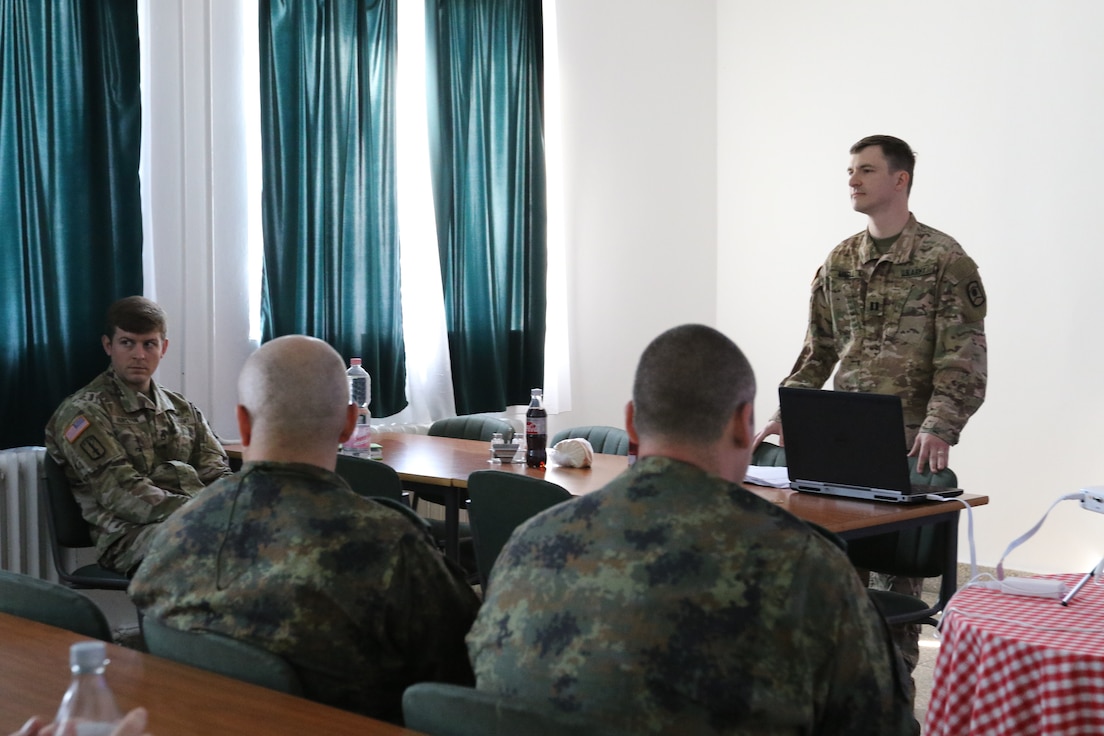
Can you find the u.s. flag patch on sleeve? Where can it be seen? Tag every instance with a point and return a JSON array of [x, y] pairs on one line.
[[76, 429]]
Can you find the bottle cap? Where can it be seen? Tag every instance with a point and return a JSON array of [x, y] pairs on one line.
[[87, 655], [354, 361]]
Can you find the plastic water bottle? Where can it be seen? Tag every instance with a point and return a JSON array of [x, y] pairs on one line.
[[360, 393], [88, 708], [536, 431]]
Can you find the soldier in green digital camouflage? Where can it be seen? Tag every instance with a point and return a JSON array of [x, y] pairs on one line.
[[133, 451], [286, 556], [675, 601], [897, 309]]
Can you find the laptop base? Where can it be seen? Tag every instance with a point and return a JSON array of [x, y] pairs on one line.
[[873, 494]]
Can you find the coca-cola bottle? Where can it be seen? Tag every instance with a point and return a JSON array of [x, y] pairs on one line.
[[536, 431]]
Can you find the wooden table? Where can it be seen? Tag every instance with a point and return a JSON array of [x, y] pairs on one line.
[[1011, 665], [34, 673], [438, 468]]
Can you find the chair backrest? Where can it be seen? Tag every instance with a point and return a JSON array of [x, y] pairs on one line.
[[439, 709], [768, 455], [53, 604], [472, 427], [68, 530], [918, 553], [69, 527], [607, 440], [222, 654], [498, 503], [370, 477]]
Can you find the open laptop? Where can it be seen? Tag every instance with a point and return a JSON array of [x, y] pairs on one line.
[[840, 443]]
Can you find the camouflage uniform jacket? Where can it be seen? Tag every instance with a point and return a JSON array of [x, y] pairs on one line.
[[908, 323], [672, 601], [287, 557], [132, 460]]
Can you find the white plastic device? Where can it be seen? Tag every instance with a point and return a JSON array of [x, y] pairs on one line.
[[1092, 498], [1035, 587]]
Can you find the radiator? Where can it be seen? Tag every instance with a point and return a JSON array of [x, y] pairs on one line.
[[24, 539]]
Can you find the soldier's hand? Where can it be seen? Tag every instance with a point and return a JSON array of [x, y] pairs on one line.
[[931, 451], [134, 724]]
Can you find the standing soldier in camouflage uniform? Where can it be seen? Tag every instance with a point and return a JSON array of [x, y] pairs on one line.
[[133, 451], [286, 556], [673, 600], [901, 308]]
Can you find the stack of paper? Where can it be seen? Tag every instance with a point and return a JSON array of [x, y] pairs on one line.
[[767, 475]]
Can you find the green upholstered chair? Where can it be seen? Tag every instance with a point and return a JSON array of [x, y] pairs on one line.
[[768, 455], [926, 552], [222, 654], [498, 503], [472, 427], [607, 440], [468, 427], [370, 477], [53, 604], [68, 530], [439, 709]]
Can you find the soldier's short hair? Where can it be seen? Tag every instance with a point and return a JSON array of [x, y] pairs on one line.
[[135, 314], [898, 154], [689, 382]]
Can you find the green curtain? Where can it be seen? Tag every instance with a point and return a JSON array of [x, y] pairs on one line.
[[485, 88], [70, 208], [331, 244]]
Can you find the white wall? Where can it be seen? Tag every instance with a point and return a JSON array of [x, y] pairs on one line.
[[1000, 100], [640, 131], [705, 145]]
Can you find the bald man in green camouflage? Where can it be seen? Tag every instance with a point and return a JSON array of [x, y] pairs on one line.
[[897, 309], [286, 556], [673, 600]]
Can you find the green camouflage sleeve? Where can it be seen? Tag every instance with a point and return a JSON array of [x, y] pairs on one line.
[[209, 458], [432, 609], [960, 360]]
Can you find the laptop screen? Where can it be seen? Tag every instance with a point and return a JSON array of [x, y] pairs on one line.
[[854, 439]]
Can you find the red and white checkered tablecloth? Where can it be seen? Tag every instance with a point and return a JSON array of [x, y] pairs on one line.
[[1013, 665]]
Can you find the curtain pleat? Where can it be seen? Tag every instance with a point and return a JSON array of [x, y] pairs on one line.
[[331, 244], [70, 207], [484, 68]]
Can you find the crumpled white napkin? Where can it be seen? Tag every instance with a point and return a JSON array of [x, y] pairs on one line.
[[573, 453]]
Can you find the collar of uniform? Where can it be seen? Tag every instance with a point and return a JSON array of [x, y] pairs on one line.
[[289, 468], [900, 252], [134, 401]]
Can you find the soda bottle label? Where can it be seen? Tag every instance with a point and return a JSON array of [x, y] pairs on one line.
[[535, 425]]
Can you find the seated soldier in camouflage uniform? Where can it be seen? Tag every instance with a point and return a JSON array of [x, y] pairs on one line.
[[286, 556], [674, 600], [133, 451]]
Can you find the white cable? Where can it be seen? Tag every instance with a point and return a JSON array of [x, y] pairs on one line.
[[969, 528], [1031, 532]]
